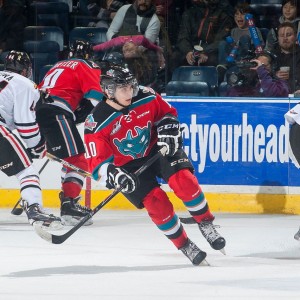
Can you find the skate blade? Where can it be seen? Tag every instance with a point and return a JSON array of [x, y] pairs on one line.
[[204, 263], [55, 225], [72, 221], [223, 251]]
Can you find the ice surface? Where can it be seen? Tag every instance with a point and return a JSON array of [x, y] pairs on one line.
[[124, 256]]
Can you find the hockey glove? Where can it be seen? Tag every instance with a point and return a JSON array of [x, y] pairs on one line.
[[38, 151], [118, 176], [169, 134], [82, 111]]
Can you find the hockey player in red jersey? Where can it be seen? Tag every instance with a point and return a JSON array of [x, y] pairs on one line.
[[72, 85], [124, 131], [18, 98]]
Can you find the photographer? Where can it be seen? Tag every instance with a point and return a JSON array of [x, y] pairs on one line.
[[256, 79]]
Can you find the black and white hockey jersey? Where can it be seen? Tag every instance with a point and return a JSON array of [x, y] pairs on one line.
[[18, 98]]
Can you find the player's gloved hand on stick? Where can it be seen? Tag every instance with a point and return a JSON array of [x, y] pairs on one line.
[[38, 151], [118, 176], [169, 134]]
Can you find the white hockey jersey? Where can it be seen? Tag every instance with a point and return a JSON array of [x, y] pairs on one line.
[[18, 98]]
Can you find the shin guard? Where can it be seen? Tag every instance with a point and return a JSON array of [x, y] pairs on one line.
[[186, 187], [161, 211]]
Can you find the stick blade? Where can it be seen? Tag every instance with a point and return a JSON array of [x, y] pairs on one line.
[[47, 236], [17, 211], [187, 220]]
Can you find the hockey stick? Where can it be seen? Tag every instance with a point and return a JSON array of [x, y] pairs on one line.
[[66, 164], [16, 211], [187, 220], [59, 239]]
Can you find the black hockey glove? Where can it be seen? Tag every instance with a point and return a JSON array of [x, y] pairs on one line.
[[38, 151], [169, 134], [118, 176], [82, 111], [45, 97]]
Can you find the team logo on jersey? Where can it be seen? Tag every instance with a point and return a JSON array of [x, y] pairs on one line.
[[135, 143], [90, 123]]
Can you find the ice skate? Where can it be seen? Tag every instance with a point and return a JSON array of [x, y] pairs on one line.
[[297, 235], [71, 212], [210, 233], [193, 253], [38, 217]]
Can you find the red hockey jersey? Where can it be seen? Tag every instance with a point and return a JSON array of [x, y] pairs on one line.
[[69, 81], [118, 137]]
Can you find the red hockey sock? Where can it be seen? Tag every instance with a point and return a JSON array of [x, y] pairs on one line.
[[186, 187], [161, 211], [71, 189], [73, 181]]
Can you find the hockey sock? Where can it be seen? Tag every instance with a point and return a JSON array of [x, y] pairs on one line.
[[73, 181], [30, 185], [161, 211], [186, 187]]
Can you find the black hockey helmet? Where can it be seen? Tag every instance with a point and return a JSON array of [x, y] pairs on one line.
[[81, 49], [117, 75], [17, 61]]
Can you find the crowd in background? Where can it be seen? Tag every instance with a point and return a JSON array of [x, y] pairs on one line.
[[171, 29]]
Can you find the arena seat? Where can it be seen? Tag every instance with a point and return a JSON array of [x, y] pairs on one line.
[[42, 53], [49, 14], [187, 88], [206, 74], [43, 70], [45, 33], [94, 35]]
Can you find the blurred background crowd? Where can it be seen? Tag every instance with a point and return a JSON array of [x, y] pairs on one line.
[[178, 47]]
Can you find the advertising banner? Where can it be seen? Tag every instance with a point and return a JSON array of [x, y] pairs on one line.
[[238, 141]]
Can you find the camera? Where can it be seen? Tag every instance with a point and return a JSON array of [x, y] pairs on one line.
[[241, 74], [246, 64]]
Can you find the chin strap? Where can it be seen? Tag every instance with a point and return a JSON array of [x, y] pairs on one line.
[[117, 102]]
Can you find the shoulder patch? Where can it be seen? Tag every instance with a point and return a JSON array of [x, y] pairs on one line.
[[90, 123], [146, 89]]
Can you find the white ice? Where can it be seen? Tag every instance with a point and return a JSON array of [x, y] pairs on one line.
[[124, 256]]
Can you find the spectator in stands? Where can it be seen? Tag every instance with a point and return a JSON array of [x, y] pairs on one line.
[[206, 23], [135, 19], [257, 81], [12, 27], [132, 46], [240, 36], [103, 11], [164, 12], [290, 13], [142, 57], [288, 55]]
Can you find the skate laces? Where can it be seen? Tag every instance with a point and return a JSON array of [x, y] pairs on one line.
[[80, 207], [190, 249], [208, 229]]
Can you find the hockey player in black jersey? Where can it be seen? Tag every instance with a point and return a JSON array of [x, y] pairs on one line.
[[127, 129], [18, 97]]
